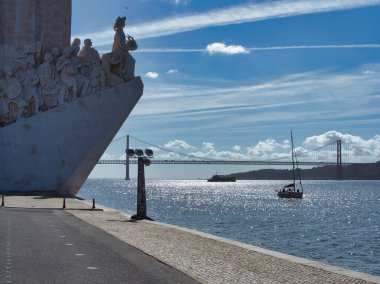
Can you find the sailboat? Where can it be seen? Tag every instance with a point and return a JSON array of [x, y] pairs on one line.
[[292, 190]]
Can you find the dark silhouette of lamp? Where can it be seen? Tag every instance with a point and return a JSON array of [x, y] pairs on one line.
[[141, 196]]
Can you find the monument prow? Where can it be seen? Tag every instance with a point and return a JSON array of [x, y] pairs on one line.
[[56, 150], [60, 105]]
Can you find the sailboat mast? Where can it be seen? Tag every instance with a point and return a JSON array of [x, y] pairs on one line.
[[294, 176]]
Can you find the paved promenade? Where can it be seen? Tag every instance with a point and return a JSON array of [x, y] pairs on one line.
[[43, 245], [204, 258]]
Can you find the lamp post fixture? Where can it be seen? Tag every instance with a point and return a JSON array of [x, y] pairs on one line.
[[142, 160]]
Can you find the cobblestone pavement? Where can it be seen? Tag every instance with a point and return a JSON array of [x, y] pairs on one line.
[[206, 258]]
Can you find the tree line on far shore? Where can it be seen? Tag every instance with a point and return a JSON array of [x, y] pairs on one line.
[[352, 172]]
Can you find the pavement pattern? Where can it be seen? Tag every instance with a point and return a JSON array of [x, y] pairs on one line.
[[204, 258], [41, 245]]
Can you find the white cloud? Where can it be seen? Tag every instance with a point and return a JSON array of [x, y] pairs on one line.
[[231, 15], [218, 47], [369, 72], [324, 139], [152, 75], [178, 144], [168, 156], [217, 155], [106, 156], [207, 146], [180, 2], [209, 151], [172, 71], [286, 144], [348, 139], [236, 148], [354, 148], [264, 149]]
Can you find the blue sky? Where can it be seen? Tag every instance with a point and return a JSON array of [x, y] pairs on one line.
[[229, 79]]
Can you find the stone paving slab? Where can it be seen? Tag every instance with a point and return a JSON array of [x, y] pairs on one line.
[[204, 257], [42, 200]]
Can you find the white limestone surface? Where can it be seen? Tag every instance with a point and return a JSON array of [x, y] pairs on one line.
[[56, 150]]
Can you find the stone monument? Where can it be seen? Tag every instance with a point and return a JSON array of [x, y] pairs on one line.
[[27, 26], [60, 105]]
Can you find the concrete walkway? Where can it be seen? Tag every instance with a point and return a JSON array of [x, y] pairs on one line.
[[205, 258], [42, 245]]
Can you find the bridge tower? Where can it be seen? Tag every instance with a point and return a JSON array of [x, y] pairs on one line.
[[127, 159], [339, 159]]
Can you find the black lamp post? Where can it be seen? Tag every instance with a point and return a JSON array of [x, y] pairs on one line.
[[142, 160]]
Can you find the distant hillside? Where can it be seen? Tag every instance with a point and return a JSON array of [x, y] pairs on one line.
[[354, 172]]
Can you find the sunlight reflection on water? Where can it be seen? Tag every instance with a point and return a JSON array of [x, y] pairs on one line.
[[336, 222]]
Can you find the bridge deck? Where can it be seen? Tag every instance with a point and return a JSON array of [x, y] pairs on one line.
[[222, 162]]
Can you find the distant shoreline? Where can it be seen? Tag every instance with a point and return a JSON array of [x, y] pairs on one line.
[[353, 172]]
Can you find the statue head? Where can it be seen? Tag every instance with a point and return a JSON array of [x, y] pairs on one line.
[[55, 51], [119, 24], [67, 52], [48, 57], [87, 42], [75, 46], [76, 42]]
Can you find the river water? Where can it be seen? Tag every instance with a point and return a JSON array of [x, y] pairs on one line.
[[337, 222]]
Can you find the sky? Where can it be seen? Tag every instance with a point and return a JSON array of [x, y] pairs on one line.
[[229, 79]]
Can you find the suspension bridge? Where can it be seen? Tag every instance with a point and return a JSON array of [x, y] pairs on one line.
[[336, 153]]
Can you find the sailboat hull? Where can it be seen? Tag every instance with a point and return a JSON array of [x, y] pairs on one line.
[[289, 194], [55, 151]]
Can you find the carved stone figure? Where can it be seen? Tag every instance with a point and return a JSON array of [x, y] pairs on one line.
[[56, 53], [120, 62], [97, 75], [92, 67], [122, 47], [13, 89], [62, 76], [66, 73], [29, 81], [112, 65], [82, 81], [120, 43], [75, 46], [88, 53], [52, 90]]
